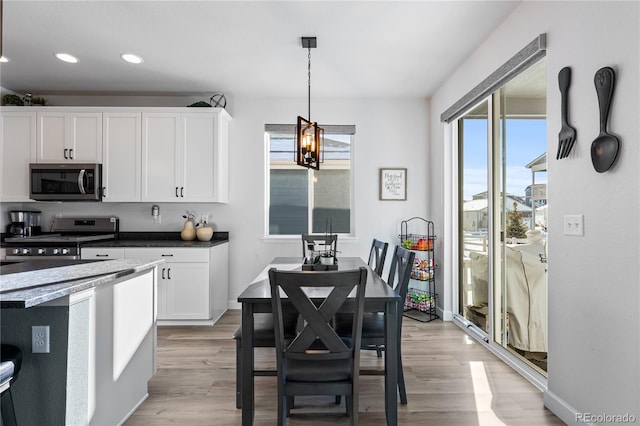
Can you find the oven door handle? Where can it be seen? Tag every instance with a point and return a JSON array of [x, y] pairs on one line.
[[81, 181]]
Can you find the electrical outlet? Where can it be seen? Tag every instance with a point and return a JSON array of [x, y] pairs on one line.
[[573, 224], [40, 339], [205, 218]]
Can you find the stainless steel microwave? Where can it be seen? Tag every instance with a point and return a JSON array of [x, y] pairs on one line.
[[65, 182]]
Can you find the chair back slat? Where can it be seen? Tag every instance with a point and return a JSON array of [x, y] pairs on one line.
[[377, 256], [317, 339], [400, 274]]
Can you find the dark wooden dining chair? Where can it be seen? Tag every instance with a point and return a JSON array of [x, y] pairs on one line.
[[318, 361], [309, 241], [10, 364], [373, 326], [263, 337], [377, 256]]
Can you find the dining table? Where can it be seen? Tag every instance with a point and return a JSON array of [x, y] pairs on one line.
[[379, 297]]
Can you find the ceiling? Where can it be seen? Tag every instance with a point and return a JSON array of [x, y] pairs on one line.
[[370, 49]]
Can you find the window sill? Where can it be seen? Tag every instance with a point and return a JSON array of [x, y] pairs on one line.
[[296, 239]]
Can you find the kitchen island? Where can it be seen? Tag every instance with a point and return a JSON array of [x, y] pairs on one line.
[[102, 322]]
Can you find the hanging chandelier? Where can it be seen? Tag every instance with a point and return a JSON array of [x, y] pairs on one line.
[[309, 137]]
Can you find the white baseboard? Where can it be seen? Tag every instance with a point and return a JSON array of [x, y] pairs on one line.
[[234, 304], [445, 315], [560, 408], [162, 323]]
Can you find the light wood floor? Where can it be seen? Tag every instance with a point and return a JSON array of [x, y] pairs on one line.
[[450, 379]]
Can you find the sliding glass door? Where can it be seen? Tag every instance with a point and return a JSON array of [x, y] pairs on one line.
[[473, 143], [502, 217], [520, 290]]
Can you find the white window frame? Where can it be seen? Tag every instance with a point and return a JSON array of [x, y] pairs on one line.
[[290, 129]]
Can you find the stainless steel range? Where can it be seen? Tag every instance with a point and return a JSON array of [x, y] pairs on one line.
[[65, 241]]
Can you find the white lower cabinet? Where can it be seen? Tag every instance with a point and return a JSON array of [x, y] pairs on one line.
[[192, 282], [186, 287]]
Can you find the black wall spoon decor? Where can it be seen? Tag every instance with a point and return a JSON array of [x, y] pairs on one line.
[[604, 149]]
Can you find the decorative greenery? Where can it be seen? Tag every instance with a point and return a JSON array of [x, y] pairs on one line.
[[38, 100], [11, 99], [515, 226]]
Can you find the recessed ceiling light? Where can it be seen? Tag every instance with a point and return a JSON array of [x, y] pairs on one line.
[[131, 58], [4, 59], [67, 58]]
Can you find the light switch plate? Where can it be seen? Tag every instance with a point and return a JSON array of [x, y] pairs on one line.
[[573, 224]]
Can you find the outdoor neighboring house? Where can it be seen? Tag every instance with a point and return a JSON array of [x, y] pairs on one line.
[[476, 214]]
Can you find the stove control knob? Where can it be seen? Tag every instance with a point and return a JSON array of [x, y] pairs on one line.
[[65, 251], [41, 251], [17, 251], [56, 251], [26, 251]]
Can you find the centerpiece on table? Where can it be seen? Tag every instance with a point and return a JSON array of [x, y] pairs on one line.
[[324, 259]]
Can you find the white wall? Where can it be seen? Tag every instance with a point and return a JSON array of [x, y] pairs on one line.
[[594, 339], [389, 133]]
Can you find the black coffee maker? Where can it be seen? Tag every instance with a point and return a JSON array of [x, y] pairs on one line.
[[24, 223]]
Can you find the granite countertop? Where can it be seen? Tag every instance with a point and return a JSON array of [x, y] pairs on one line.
[[30, 283], [159, 239], [155, 239]]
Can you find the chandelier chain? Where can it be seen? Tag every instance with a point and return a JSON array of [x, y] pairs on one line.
[[309, 84]]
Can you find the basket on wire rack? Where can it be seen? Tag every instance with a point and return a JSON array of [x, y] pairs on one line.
[[421, 300], [421, 239]]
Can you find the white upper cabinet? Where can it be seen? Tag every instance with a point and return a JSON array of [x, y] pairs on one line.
[[147, 154], [121, 156], [184, 156], [161, 162], [18, 148], [65, 136]]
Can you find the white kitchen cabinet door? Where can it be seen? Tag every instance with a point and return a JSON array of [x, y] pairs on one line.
[[85, 137], [187, 290], [185, 156], [161, 157], [121, 155], [69, 137], [198, 150], [18, 148], [205, 169]]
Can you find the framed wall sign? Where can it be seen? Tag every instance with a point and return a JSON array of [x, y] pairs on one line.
[[393, 184]]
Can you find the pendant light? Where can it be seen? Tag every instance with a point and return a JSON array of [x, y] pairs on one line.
[[309, 137]]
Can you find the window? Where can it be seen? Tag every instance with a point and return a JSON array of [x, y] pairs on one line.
[[304, 200]]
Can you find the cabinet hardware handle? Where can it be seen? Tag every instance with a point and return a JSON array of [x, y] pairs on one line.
[[166, 255], [163, 273], [182, 192], [104, 192], [102, 255], [81, 181], [71, 154], [65, 154], [177, 192], [169, 273]]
